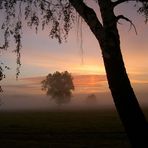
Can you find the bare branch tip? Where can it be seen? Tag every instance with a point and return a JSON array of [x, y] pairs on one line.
[[128, 20]]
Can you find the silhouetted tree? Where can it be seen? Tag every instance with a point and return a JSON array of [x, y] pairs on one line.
[[59, 14], [91, 99], [59, 86], [1, 76]]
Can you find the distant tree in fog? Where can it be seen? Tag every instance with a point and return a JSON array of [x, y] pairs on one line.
[[2, 75], [59, 86], [91, 99]]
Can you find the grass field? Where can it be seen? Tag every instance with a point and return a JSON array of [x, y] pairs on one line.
[[62, 129]]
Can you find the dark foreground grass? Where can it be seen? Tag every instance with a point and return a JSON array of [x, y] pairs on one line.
[[62, 129]]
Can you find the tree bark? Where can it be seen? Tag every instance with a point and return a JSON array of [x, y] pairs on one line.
[[123, 95]]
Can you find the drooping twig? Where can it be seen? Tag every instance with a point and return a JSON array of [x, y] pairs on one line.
[[128, 20]]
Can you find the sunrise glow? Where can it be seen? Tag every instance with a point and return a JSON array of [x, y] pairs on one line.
[[41, 56]]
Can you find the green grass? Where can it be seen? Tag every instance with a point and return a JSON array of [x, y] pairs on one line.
[[62, 129]]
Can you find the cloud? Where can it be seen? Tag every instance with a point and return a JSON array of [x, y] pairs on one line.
[[140, 78], [84, 84], [34, 80]]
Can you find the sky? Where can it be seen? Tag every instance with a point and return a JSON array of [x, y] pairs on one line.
[[41, 55]]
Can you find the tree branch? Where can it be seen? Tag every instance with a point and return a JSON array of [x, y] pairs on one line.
[[119, 2], [89, 16], [122, 1], [128, 20]]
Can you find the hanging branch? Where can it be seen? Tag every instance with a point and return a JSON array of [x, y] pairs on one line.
[[128, 20]]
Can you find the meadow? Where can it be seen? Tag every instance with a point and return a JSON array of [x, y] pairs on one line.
[[62, 129]]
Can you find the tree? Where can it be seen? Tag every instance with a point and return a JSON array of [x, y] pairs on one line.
[[1, 77], [59, 86], [60, 15], [91, 99]]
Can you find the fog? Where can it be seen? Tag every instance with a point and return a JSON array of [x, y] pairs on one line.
[[43, 102], [27, 95]]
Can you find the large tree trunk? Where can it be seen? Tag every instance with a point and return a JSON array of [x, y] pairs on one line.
[[125, 101], [124, 98]]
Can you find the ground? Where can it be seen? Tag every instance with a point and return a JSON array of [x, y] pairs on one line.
[[62, 129]]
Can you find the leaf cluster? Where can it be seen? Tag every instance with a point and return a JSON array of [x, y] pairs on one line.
[[2, 75], [144, 10]]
